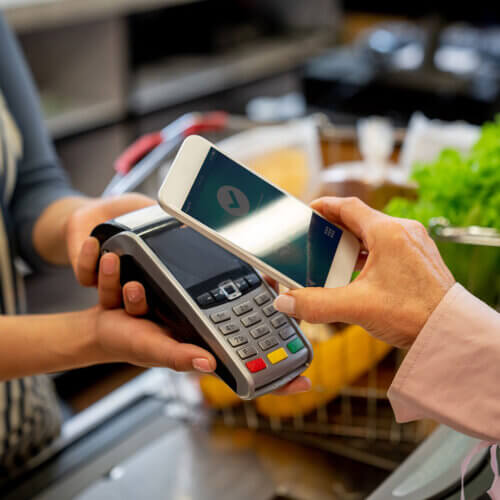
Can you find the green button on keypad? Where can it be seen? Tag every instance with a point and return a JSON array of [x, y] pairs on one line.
[[295, 345]]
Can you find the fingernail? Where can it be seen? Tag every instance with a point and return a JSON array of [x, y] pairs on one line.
[[108, 266], [285, 304], [134, 294], [202, 365]]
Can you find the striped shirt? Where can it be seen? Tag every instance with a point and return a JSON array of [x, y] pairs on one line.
[[30, 180]]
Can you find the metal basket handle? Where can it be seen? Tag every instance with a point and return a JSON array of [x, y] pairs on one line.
[[441, 230]]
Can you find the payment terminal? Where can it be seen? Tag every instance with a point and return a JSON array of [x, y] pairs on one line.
[[207, 296]]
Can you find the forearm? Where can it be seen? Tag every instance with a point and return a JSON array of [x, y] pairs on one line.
[[47, 343], [49, 231], [451, 372]]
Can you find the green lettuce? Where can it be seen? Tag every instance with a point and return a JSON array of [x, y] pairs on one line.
[[466, 190]]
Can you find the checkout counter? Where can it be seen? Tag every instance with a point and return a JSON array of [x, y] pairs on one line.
[[154, 438], [151, 439]]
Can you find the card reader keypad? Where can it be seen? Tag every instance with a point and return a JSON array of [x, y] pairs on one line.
[[260, 335], [242, 308], [229, 328], [220, 316], [251, 319], [260, 331], [237, 340]]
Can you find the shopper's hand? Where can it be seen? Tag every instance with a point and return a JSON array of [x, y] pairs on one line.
[[401, 282], [119, 337]]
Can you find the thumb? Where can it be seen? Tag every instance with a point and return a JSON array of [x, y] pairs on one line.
[[321, 305]]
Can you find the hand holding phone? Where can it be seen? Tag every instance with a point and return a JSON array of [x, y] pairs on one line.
[[255, 220]]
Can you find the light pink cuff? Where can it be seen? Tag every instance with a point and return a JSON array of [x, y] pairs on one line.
[[451, 374]]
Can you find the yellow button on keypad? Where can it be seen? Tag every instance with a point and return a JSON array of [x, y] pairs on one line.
[[277, 355]]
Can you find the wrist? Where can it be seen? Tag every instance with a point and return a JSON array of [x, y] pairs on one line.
[[86, 349], [92, 349]]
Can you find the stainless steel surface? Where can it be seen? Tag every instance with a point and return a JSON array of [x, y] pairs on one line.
[[215, 463], [158, 382], [433, 469], [474, 235]]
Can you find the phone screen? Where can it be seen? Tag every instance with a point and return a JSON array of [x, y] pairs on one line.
[[262, 220]]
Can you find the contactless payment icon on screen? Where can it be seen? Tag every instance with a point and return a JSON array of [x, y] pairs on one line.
[[233, 201]]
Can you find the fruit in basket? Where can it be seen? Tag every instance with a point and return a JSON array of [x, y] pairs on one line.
[[286, 168], [339, 359], [466, 190]]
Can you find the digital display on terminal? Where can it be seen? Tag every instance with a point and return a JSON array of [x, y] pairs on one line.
[[190, 257]]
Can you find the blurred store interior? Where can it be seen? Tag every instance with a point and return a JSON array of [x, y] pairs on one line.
[[355, 92]]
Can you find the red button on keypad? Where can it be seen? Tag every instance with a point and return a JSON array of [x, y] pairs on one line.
[[256, 365]]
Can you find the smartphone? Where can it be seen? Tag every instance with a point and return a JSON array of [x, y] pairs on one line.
[[257, 221]]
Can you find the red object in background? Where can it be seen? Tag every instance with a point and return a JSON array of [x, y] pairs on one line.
[[216, 120], [137, 151], [256, 365], [191, 123]]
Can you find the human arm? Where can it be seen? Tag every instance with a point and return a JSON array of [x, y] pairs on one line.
[[36, 180], [451, 372], [407, 297], [50, 343]]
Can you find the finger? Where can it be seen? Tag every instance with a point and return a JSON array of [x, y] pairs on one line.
[[134, 298], [272, 283], [296, 386], [108, 283], [86, 268], [151, 345], [322, 305], [351, 213]]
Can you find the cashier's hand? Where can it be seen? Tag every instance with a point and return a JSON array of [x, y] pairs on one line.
[[402, 280], [83, 251]]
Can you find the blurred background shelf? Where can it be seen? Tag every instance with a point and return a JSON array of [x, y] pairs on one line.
[[182, 78], [29, 15], [83, 117]]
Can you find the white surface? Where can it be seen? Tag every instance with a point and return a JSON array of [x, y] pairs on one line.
[[176, 187], [344, 261], [425, 139]]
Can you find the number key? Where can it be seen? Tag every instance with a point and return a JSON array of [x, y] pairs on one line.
[[242, 308], [287, 332], [279, 321], [250, 320], [229, 328], [219, 317], [269, 310], [268, 343], [237, 340], [246, 352], [262, 298], [260, 331]]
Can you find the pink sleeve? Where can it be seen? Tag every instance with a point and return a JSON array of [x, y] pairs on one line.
[[451, 374]]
